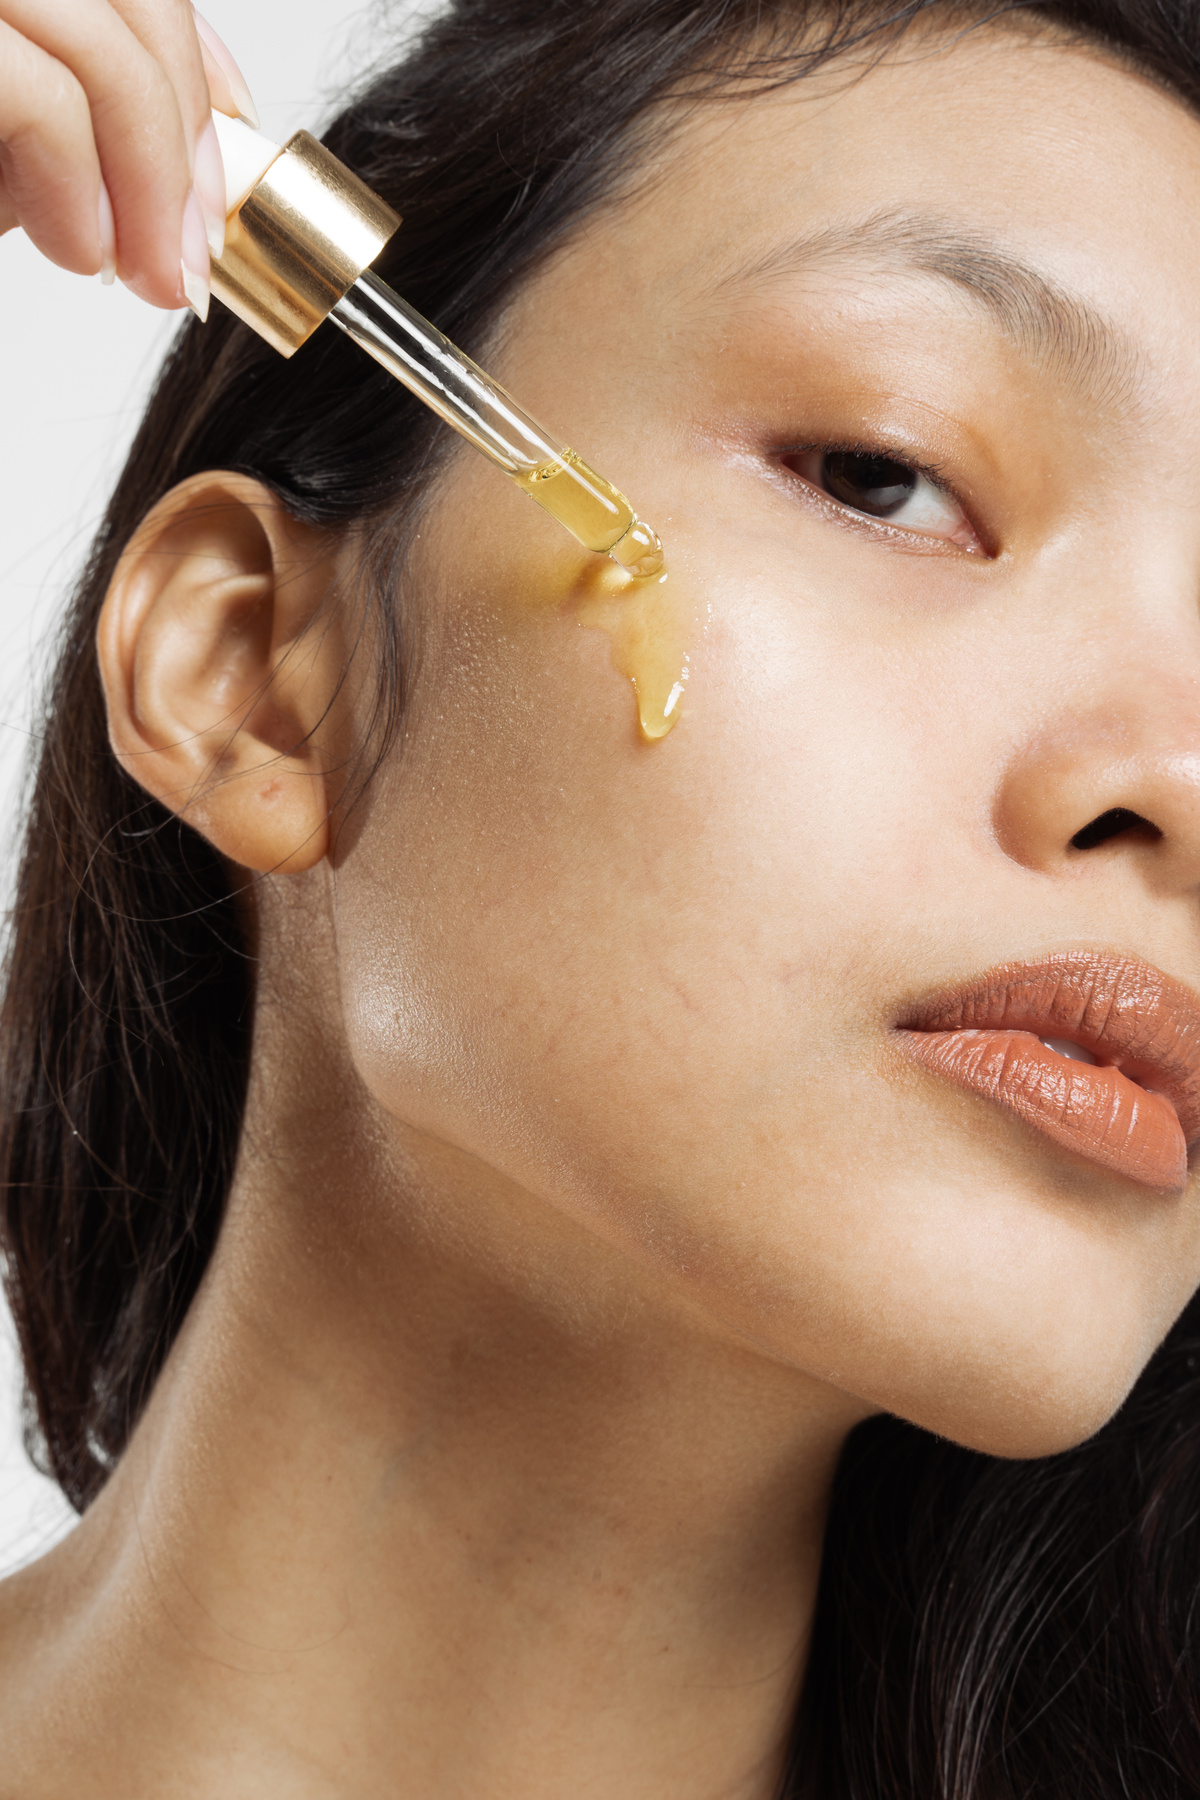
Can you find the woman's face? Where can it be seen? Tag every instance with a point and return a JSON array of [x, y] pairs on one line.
[[663, 986]]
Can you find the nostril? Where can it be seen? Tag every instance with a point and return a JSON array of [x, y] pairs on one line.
[[1117, 821]]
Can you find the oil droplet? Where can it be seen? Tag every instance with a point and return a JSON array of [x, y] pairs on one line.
[[648, 646], [639, 551]]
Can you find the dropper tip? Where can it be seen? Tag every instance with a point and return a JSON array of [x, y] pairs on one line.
[[639, 550]]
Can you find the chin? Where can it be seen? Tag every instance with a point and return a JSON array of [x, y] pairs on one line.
[[1038, 1414], [1011, 1303]]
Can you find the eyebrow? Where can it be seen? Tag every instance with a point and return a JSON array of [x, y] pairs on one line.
[[1042, 319]]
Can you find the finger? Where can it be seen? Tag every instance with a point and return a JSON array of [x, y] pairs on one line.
[[219, 90], [142, 140], [48, 155], [170, 31], [226, 83], [8, 212], [166, 29]]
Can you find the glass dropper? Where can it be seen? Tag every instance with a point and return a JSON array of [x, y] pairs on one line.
[[301, 232], [459, 391]]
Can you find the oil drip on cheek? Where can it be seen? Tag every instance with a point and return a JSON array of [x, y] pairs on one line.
[[649, 644], [629, 600]]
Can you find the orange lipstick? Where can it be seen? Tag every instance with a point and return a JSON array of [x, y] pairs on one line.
[[1098, 1052]]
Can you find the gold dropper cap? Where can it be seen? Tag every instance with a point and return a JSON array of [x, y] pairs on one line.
[[298, 242]]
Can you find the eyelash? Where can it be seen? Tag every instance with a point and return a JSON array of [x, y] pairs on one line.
[[931, 471], [896, 534]]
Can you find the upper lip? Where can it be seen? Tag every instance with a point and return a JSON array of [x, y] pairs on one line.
[[1127, 1013]]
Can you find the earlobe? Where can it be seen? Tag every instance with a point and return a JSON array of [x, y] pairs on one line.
[[222, 692]]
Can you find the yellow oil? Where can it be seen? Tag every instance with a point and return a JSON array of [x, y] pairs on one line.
[[632, 605], [649, 645], [594, 511]]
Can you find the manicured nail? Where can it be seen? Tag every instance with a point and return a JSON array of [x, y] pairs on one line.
[[209, 176], [108, 239], [193, 263], [239, 93]]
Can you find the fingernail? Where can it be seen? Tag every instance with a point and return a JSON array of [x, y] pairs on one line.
[[193, 263], [209, 175], [108, 239], [239, 93]]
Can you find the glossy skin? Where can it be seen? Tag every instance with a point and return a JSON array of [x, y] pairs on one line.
[[587, 1199]]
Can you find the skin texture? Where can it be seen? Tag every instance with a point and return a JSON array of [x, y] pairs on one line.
[[586, 1199]]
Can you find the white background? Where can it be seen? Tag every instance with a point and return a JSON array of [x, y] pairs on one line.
[[76, 361]]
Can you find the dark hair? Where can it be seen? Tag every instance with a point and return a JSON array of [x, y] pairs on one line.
[[985, 1629]]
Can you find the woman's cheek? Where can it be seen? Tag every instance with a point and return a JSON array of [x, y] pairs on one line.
[[561, 943]]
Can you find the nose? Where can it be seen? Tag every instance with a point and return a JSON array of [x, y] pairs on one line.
[[1115, 778]]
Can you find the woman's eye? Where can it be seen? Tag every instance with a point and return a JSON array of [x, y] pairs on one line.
[[883, 488]]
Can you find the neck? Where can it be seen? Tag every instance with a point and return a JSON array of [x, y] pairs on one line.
[[437, 1494]]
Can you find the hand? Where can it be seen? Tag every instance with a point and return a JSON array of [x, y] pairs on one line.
[[108, 156]]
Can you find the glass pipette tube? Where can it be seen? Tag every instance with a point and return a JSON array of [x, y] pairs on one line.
[[459, 391]]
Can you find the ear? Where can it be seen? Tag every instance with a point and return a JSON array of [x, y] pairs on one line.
[[224, 689]]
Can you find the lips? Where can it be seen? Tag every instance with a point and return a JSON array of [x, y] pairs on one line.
[[1134, 1109]]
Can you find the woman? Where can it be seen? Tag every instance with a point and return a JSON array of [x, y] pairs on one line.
[[553, 1264]]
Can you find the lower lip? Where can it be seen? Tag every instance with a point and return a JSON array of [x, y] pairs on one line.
[[1092, 1110]]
